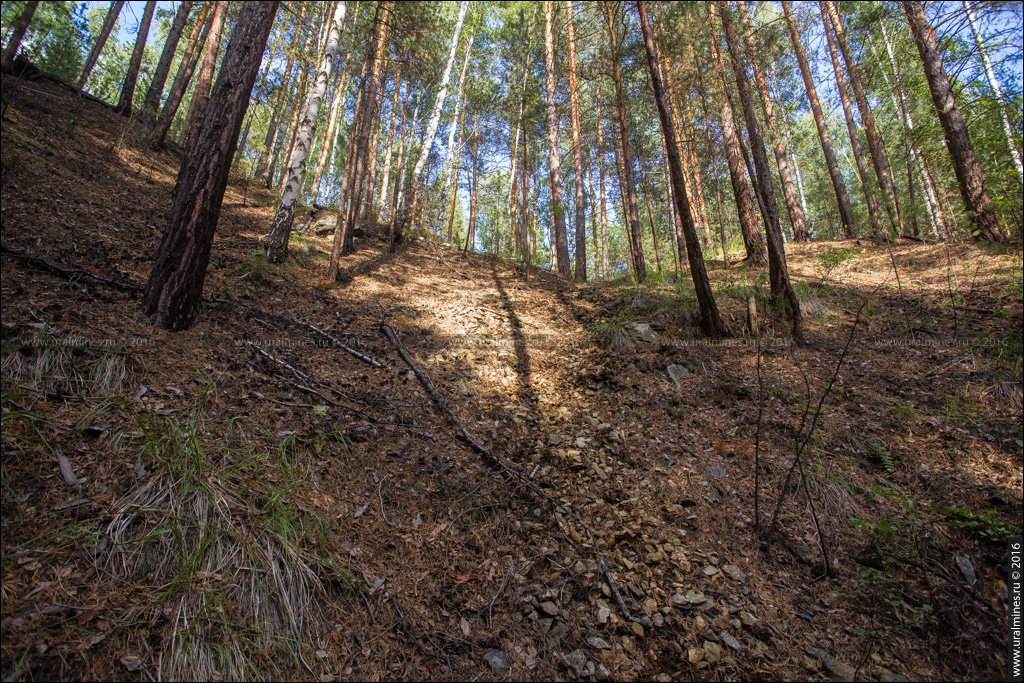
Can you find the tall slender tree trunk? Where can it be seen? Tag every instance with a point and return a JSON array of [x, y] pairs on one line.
[[935, 213], [874, 141], [367, 117], [182, 78], [851, 127], [965, 162], [293, 126], [593, 223], [101, 40], [18, 33], [473, 181], [577, 151], [432, 124], [796, 217], [559, 239], [997, 91], [124, 104], [175, 287], [752, 240], [457, 116], [455, 179], [777, 270], [201, 93], [639, 268], [389, 147], [270, 142], [163, 67], [369, 185], [605, 268], [838, 183], [277, 240], [714, 171], [330, 133], [710, 322]]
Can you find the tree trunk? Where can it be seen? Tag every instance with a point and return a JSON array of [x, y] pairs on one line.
[[20, 26], [796, 217], [838, 183], [292, 130], [471, 232], [163, 67], [277, 240], [639, 268], [605, 269], [101, 40], [559, 239], [997, 91], [270, 141], [714, 171], [435, 116], [874, 142], [965, 162], [124, 104], [710, 323], [173, 292], [778, 272], [752, 240], [935, 213], [201, 93], [182, 78], [457, 116], [851, 127], [593, 223], [645, 181], [581, 201], [330, 134], [349, 207], [389, 147], [455, 179], [366, 206]]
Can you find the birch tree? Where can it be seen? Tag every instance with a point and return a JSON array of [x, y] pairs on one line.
[[277, 240]]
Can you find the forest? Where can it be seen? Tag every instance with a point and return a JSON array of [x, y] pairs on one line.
[[547, 340]]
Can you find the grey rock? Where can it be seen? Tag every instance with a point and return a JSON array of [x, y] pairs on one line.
[[730, 641], [966, 568], [716, 472], [324, 225], [838, 671], [498, 661], [549, 607], [712, 651], [576, 661], [676, 373], [599, 643], [644, 332], [734, 572]]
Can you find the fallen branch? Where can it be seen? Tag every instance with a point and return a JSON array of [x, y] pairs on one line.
[[347, 349], [440, 400], [73, 274], [492, 461]]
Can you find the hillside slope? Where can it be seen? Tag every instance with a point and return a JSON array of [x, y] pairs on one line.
[[247, 499]]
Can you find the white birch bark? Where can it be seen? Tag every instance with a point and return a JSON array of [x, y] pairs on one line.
[[994, 84], [435, 116], [277, 240]]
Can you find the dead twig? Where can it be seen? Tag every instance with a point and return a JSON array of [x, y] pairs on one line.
[[72, 274], [344, 347]]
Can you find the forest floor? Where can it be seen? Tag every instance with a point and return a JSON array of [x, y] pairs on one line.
[[247, 500]]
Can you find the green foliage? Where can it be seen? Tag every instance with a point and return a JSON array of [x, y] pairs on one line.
[[878, 452], [988, 527]]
